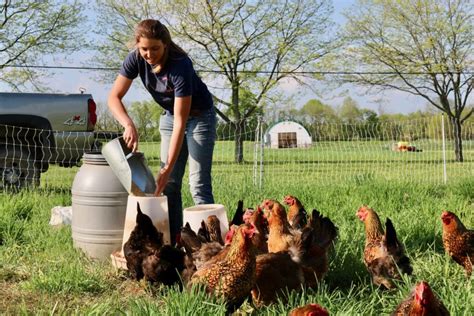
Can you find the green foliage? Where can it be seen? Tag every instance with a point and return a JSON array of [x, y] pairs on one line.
[[31, 29], [419, 47], [314, 111], [146, 116], [254, 45]]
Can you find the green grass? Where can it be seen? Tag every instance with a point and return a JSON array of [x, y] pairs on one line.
[[42, 273]]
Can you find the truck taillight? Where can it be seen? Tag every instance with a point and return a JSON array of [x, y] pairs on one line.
[[92, 114]]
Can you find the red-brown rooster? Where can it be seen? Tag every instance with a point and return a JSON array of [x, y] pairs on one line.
[[458, 241], [421, 302], [297, 215], [384, 255], [234, 276]]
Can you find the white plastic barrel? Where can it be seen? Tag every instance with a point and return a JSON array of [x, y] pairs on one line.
[[156, 207], [194, 215], [98, 208]]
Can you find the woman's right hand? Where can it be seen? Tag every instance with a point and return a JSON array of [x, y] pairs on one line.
[[130, 136]]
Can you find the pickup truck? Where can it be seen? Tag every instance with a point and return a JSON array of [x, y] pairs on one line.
[[38, 129]]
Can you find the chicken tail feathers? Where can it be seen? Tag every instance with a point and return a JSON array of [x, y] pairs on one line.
[[238, 217], [324, 229], [396, 249], [391, 236], [404, 265], [139, 210], [203, 233]]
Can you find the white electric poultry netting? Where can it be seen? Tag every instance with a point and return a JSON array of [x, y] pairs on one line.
[[412, 151]]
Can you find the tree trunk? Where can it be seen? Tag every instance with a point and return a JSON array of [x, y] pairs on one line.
[[239, 141], [238, 124], [457, 127]]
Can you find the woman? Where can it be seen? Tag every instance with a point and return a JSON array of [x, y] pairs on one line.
[[188, 124]]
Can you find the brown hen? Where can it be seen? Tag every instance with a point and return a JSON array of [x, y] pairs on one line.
[[197, 253], [297, 215], [144, 240], [280, 237], [213, 226], [258, 220], [421, 302], [384, 255], [234, 276], [315, 242], [458, 241], [277, 274]]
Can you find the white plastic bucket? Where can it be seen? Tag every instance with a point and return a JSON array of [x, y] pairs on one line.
[[156, 207], [194, 215]]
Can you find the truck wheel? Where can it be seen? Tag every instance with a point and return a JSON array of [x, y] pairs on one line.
[[18, 168]]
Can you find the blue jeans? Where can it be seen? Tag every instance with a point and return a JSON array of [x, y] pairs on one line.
[[198, 147]]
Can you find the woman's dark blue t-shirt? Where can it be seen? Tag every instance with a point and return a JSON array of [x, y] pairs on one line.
[[176, 79]]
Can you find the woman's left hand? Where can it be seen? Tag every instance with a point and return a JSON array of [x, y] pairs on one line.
[[162, 180]]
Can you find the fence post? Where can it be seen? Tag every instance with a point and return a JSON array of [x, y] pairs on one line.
[[262, 146], [255, 153], [445, 175]]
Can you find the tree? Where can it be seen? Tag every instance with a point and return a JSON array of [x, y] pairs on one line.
[[315, 111], [350, 112], [239, 44], [146, 116], [420, 47], [105, 119], [30, 29]]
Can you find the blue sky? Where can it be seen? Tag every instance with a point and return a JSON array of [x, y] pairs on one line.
[[70, 81]]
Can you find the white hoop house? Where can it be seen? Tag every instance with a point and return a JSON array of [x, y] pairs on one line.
[[287, 134]]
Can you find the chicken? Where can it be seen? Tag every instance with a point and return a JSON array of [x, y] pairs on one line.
[[279, 238], [247, 215], [237, 219], [258, 220], [309, 310], [297, 215], [315, 243], [144, 240], [421, 302], [164, 265], [203, 233], [197, 252], [458, 241], [188, 240], [384, 255], [277, 273], [234, 276], [213, 226]]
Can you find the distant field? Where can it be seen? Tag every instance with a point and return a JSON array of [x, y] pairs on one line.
[[324, 162]]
